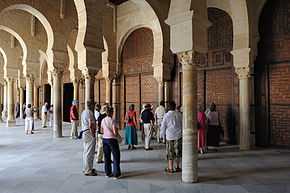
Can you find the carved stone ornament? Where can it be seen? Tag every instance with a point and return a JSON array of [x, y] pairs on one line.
[[185, 58], [243, 72], [89, 74]]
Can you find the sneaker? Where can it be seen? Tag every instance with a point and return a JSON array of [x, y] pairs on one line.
[[116, 177], [109, 176], [91, 174]]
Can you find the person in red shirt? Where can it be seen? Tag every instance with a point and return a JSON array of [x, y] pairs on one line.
[[74, 118]]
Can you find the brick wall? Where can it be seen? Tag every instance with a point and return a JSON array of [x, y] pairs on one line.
[[138, 85], [273, 73], [280, 103]]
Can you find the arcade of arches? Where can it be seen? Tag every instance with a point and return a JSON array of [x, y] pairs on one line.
[[195, 52]]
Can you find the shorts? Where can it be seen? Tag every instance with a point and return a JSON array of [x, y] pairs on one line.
[[174, 149]]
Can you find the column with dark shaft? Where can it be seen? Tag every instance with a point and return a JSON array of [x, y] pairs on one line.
[[57, 106]]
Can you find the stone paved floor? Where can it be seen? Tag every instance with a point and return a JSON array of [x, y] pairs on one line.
[[40, 164]]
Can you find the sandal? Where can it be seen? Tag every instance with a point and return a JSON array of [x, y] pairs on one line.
[[178, 169], [170, 171]]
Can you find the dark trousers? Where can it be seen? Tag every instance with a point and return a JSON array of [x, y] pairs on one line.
[[112, 146]]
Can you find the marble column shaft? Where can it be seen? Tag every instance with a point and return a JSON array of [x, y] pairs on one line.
[[76, 89], [29, 91], [57, 104], [189, 135], [21, 98], [108, 90], [11, 103], [35, 101], [166, 93], [89, 88], [116, 99], [5, 96], [160, 91], [244, 112]]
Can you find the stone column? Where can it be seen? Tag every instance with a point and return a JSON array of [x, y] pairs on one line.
[[116, 99], [21, 97], [189, 134], [89, 87], [51, 94], [108, 90], [35, 101], [76, 89], [11, 106], [29, 90], [1, 100], [166, 93], [244, 99], [4, 111], [160, 91], [57, 106]]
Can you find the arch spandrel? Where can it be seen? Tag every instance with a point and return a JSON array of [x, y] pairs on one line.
[[89, 42], [56, 26], [146, 18], [12, 55]]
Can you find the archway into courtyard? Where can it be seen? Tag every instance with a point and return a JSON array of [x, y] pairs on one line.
[[138, 85]]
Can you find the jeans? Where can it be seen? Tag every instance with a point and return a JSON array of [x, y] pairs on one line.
[[112, 146]]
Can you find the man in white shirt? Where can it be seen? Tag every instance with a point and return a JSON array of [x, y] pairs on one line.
[[159, 114], [171, 128], [44, 112], [89, 139]]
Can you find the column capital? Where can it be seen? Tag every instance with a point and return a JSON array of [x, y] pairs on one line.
[[9, 79], [243, 72], [189, 57], [89, 74], [29, 77], [185, 58]]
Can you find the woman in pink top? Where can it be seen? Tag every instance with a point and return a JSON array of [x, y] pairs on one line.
[[111, 145], [201, 123], [130, 129]]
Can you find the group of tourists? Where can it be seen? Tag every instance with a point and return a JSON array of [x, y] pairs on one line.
[[209, 128], [100, 132], [46, 114], [100, 127]]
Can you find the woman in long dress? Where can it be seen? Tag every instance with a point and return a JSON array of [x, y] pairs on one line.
[[214, 129], [201, 123], [130, 129]]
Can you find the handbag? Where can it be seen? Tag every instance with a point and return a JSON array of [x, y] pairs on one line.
[[119, 138]]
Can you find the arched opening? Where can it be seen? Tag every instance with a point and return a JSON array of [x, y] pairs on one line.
[[68, 90], [217, 81], [67, 93], [272, 72], [138, 85], [44, 22]]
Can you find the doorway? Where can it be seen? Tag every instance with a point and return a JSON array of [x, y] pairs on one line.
[[68, 91]]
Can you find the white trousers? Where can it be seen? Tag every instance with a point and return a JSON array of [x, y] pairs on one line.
[[100, 151], [148, 134], [89, 143], [74, 129], [28, 124], [44, 119]]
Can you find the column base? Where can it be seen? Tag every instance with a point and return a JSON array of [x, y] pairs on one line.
[[10, 123], [244, 148]]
